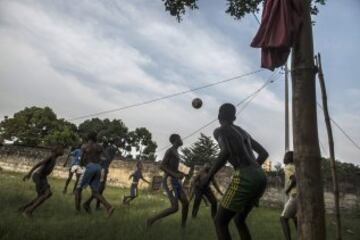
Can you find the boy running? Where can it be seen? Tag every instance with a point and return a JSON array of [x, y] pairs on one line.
[[75, 168], [90, 158], [249, 180], [172, 183], [39, 175], [290, 207], [207, 192], [136, 176]]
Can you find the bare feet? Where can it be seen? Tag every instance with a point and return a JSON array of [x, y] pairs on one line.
[[27, 214]]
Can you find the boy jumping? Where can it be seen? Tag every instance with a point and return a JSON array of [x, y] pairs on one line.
[[172, 183], [39, 175], [249, 180], [136, 176]]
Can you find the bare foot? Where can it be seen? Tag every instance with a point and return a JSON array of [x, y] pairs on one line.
[[27, 214], [110, 211], [87, 208]]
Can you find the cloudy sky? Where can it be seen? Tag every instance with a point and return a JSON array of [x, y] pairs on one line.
[[90, 56]]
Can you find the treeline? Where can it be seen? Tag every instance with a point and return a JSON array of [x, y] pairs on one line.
[[40, 127], [348, 176]]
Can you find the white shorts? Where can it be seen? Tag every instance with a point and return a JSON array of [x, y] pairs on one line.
[[77, 169], [290, 208]]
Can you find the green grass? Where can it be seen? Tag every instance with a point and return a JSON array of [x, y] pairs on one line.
[[57, 219]]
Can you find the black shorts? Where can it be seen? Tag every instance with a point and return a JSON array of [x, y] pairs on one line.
[[41, 183]]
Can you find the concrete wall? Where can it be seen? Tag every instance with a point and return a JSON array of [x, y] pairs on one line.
[[21, 159]]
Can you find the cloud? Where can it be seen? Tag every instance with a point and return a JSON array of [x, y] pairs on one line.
[[95, 56]]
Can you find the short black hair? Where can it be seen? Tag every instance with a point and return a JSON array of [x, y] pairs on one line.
[[173, 137], [92, 136], [289, 157], [227, 112]]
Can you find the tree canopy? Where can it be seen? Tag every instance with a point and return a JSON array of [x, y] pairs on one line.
[[236, 8]]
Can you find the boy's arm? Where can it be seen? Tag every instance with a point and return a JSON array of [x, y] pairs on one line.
[[27, 176], [216, 186], [145, 180], [219, 163], [260, 150], [131, 175], [291, 185], [164, 166]]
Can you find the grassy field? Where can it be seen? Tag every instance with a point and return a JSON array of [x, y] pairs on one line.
[[56, 219]]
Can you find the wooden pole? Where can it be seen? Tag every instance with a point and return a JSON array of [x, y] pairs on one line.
[[286, 108], [331, 147], [311, 210]]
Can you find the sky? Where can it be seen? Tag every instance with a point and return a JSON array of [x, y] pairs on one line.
[[91, 56]]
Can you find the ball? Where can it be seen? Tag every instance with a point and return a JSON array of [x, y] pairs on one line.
[[197, 103]]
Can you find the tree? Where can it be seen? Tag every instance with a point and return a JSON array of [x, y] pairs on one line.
[[306, 145], [35, 126], [204, 150], [115, 128], [141, 140]]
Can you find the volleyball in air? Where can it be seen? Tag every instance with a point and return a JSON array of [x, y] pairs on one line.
[[197, 103]]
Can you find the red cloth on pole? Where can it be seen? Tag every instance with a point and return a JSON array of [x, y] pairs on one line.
[[280, 25]]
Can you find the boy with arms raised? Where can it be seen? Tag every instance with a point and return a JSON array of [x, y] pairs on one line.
[[249, 180], [39, 174], [172, 183]]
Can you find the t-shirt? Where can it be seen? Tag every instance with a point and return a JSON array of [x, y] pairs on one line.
[[75, 157], [137, 175], [238, 145], [109, 155], [289, 170]]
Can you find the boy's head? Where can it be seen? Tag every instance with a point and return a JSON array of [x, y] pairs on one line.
[[227, 113], [289, 157], [92, 136], [175, 140], [139, 165]]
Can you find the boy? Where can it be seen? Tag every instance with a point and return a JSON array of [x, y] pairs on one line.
[[290, 207], [249, 180], [39, 175], [90, 158], [109, 153], [75, 168], [172, 183], [136, 176], [207, 192]]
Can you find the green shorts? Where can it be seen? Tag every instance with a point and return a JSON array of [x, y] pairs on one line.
[[245, 190]]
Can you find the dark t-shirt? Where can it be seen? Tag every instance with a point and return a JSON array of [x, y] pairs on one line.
[[48, 167], [91, 153], [109, 155], [237, 143], [137, 175], [171, 160]]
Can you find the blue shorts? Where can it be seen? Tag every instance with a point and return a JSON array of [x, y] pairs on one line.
[[133, 190], [91, 177], [172, 187]]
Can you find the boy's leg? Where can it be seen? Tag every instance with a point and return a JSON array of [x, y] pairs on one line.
[[168, 211], [40, 200], [222, 220], [213, 201], [288, 212], [241, 224], [76, 182], [68, 180], [196, 205], [185, 208]]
